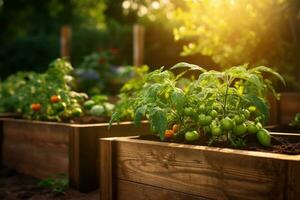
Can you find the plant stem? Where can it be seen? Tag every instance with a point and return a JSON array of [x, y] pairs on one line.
[[226, 94]]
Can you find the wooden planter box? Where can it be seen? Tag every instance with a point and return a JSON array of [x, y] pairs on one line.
[[138, 169], [43, 149]]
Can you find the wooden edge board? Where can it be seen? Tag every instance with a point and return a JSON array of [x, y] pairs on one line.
[[68, 124], [208, 148]]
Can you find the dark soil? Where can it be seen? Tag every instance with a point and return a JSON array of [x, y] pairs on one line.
[[88, 119], [284, 129], [14, 186], [280, 144]]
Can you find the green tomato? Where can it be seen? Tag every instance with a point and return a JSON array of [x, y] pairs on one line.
[[76, 112], [264, 137], [59, 107], [89, 104], [202, 108], [217, 106], [109, 107], [216, 131], [213, 113], [204, 120], [226, 124], [252, 128], [97, 110], [188, 111], [239, 119], [191, 136], [240, 129]]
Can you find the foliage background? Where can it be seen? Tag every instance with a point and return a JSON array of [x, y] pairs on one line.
[[29, 36]]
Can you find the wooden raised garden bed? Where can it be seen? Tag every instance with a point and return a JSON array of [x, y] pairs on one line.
[[132, 168], [43, 149]]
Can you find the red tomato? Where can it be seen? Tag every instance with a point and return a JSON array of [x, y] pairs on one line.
[[36, 107]]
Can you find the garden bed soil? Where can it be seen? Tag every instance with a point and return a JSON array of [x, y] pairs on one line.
[[141, 168], [14, 186], [280, 144]]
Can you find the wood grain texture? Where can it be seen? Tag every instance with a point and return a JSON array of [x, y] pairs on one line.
[[130, 190], [206, 172], [39, 150], [106, 162], [84, 157], [289, 105]]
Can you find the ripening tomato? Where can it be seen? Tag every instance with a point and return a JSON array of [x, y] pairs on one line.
[[36, 107], [175, 128], [169, 134], [55, 99]]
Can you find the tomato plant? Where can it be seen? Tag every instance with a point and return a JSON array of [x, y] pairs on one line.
[[212, 105], [124, 107]]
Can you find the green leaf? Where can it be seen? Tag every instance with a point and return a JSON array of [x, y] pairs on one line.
[[139, 113], [260, 104], [187, 65], [178, 99], [269, 70], [158, 119]]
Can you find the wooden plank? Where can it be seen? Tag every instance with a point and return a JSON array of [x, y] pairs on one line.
[[39, 151], [106, 172], [65, 41], [289, 105], [130, 190], [138, 44], [293, 181], [84, 157], [208, 172], [1, 141]]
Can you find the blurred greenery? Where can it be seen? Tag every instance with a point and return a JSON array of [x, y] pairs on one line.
[[257, 32], [231, 32]]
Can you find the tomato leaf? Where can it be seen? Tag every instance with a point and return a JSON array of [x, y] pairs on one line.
[[269, 70], [178, 99], [139, 113], [260, 104], [159, 121], [187, 65]]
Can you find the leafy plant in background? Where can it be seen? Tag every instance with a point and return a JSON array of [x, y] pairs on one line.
[[57, 185], [296, 120], [47, 96], [10, 86], [99, 106], [124, 107], [97, 73], [211, 107]]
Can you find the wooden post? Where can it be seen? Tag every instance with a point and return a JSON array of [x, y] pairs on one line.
[[106, 172], [65, 41], [138, 45]]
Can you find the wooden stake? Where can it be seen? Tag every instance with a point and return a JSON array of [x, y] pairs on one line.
[[138, 45], [65, 41]]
